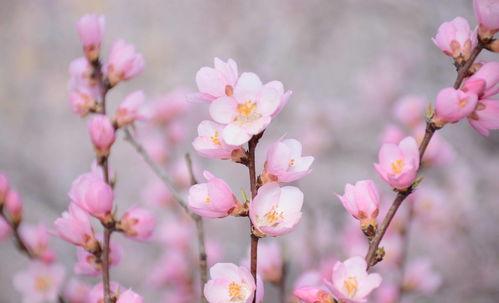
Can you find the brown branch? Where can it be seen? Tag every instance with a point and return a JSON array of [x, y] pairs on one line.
[[373, 255], [404, 234]]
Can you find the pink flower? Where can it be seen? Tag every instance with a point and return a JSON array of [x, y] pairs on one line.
[[128, 111], [420, 277], [452, 105], [213, 199], [276, 211], [82, 103], [487, 16], [102, 134], [137, 223], [40, 282], [410, 110], [129, 297], [398, 164], [361, 201], [285, 163], [93, 195], [76, 291], [350, 281], [80, 72], [486, 116], [488, 73], [74, 226], [5, 229], [229, 283], [249, 110], [87, 263], [210, 143], [37, 240], [14, 205], [96, 294], [124, 63], [215, 82], [455, 39], [4, 187], [309, 294], [91, 31]]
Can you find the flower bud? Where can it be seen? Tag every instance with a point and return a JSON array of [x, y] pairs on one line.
[[137, 223], [91, 30], [102, 134]]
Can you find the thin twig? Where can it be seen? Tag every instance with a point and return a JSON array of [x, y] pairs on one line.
[[404, 234], [372, 256]]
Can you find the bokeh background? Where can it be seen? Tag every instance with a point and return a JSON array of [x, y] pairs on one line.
[[348, 63]]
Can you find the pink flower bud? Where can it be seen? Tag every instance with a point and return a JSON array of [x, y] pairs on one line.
[[128, 111], [36, 238], [285, 163], [124, 63], [486, 116], [361, 201], [487, 17], [229, 283], [88, 264], [452, 105], [81, 103], [14, 206], [398, 164], [129, 297], [210, 143], [76, 291], [80, 72], [4, 187], [93, 195], [40, 282], [96, 294], [91, 31], [489, 73], [215, 82], [309, 294], [455, 39], [137, 223], [213, 199], [276, 211], [74, 226], [5, 229], [350, 281], [102, 134]]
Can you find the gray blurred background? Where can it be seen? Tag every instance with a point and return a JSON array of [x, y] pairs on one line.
[[347, 62]]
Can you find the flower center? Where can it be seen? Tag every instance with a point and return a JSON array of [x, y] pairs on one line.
[[246, 113], [292, 162], [462, 102], [397, 166], [43, 284], [235, 291], [207, 200], [215, 139], [351, 285], [273, 216]]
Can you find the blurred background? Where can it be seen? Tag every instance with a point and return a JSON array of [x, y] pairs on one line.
[[349, 63]]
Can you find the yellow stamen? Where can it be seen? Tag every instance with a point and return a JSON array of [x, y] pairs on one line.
[[246, 109], [235, 290], [351, 285], [273, 216], [215, 139], [462, 103], [207, 200], [397, 166], [43, 284], [292, 162]]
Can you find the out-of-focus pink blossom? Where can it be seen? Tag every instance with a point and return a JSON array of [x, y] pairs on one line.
[[102, 134], [155, 145], [74, 226], [486, 116], [213, 199], [439, 152], [163, 110], [410, 110], [387, 293], [276, 211], [180, 173], [456, 39], [82, 103], [124, 63], [128, 111], [392, 134], [249, 110], [14, 205], [452, 105], [137, 223], [284, 162], [308, 278], [214, 251], [398, 164], [129, 297], [350, 282], [76, 291], [36, 238], [87, 263], [80, 72], [270, 263], [489, 73], [4, 187], [5, 229], [210, 143], [93, 195], [361, 201], [40, 282], [215, 82], [229, 283], [176, 131], [176, 232], [309, 294], [420, 277], [174, 267], [96, 294], [487, 17], [91, 30], [155, 193]]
